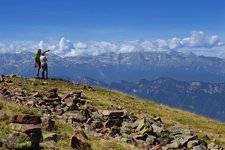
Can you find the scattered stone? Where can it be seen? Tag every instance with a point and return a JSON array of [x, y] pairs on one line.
[[48, 124], [26, 119], [148, 133], [79, 141]]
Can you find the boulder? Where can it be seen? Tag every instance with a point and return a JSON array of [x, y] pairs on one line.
[[26, 119], [25, 128], [79, 141], [18, 141]]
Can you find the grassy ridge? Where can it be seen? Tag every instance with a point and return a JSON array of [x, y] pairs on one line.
[[103, 98]]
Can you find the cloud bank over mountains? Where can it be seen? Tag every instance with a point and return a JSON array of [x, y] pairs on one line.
[[198, 43]]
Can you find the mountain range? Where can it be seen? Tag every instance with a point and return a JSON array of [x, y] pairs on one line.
[[206, 99], [113, 67], [198, 85]]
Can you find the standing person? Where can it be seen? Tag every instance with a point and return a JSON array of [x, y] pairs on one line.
[[44, 65], [37, 56]]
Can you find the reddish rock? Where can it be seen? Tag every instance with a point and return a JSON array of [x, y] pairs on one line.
[[26, 119], [66, 96], [113, 113], [79, 141], [77, 93], [30, 103], [68, 100], [25, 128]]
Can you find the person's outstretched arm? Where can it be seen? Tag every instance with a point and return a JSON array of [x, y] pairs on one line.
[[45, 52]]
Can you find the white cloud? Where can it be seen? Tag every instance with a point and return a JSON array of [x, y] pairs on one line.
[[199, 39], [80, 45], [198, 42]]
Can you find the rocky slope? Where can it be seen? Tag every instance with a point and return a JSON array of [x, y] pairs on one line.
[[91, 116]]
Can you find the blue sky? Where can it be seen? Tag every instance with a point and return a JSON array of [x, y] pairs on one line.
[[110, 20]]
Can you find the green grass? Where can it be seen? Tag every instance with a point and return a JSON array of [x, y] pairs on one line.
[[104, 99]]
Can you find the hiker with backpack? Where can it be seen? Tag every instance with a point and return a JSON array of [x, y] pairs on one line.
[[41, 62]]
